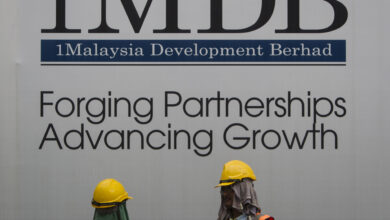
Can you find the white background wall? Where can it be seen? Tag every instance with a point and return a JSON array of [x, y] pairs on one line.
[[8, 144]]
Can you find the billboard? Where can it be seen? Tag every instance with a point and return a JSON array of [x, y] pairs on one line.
[[160, 94]]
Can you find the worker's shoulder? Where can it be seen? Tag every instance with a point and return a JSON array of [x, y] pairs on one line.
[[264, 217]]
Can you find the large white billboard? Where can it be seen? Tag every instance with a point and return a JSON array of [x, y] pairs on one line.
[[160, 94]]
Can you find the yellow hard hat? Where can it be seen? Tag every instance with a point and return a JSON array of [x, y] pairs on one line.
[[109, 193], [234, 171]]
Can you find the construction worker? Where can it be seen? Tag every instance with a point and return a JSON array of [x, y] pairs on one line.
[[109, 201], [238, 196]]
